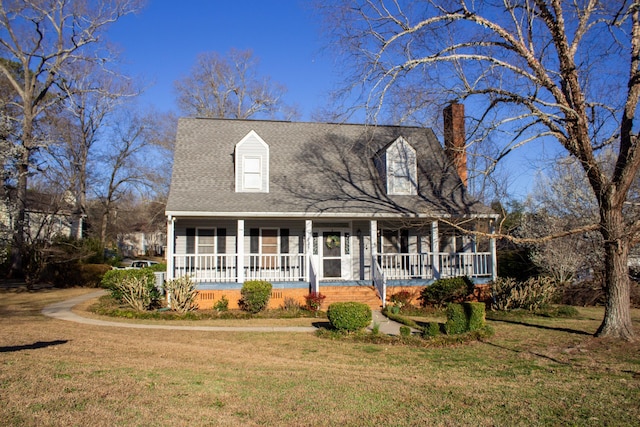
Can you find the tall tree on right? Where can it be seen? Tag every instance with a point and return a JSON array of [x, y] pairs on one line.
[[533, 70]]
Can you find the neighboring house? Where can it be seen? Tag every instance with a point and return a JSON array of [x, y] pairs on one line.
[[334, 208], [47, 216], [142, 243]]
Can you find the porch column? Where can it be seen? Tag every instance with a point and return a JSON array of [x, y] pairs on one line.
[[435, 249], [492, 249], [373, 243], [171, 238], [311, 276], [240, 252]]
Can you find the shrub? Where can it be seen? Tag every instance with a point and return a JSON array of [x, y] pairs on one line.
[[534, 293], [181, 294], [135, 292], [405, 331], [402, 298], [452, 289], [476, 315], [431, 330], [112, 278], [222, 304], [314, 301], [349, 316], [255, 295], [291, 305], [468, 316], [456, 320]]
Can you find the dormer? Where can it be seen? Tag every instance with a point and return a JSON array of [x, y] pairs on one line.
[[397, 166], [252, 164]]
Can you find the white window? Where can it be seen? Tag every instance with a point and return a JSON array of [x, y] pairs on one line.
[[252, 173], [401, 169], [400, 177], [206, 243]]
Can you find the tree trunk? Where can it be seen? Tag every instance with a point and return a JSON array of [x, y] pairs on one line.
[[617, 315], [19, 225], [105, 223]]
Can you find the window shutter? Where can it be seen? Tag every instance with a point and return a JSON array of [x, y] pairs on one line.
[[284, 240], [191, 240], [254, 241], [222, 240], [404, 241]]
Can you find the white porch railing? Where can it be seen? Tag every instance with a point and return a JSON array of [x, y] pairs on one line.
[[419, 265], [297, 267], [223, 267], [206, 268], [379, 280], [276, 267], [465, 264]]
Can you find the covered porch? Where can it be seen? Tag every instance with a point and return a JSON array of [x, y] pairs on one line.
[[307, 253]]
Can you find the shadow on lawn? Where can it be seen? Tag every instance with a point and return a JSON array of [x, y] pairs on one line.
[[34, 346], [550, 328]]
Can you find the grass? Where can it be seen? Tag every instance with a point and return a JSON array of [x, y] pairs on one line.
[[533, 371]]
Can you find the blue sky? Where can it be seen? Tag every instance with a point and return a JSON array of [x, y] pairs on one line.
[[160, 44]]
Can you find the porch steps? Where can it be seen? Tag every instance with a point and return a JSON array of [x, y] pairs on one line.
[[363, 294]]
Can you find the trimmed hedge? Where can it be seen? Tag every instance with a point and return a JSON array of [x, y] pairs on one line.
[[468, 316], [349, 316], [431, 330], [255, 295]]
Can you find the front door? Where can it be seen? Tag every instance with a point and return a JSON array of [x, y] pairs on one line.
[[331, 255]]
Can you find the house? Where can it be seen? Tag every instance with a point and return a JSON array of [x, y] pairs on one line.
[[356, 212], [47, 215]]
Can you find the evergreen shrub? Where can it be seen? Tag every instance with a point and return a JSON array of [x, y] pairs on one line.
[[255, 295], [464, 317], [349, 316], [451, 289], [431, 330]]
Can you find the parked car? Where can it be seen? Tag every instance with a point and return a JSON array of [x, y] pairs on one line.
[[138, 264]]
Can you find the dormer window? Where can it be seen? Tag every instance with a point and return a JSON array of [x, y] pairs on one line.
[[398, 161], [252, 164], [252, 170]]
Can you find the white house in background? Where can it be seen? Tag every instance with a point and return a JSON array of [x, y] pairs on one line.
[[347, 210]]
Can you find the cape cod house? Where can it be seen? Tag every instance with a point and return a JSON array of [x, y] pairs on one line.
[[355, 212]]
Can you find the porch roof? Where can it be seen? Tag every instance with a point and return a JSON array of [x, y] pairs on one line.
[[316, 169]]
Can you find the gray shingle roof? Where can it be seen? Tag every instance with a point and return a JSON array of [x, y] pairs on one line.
[[315, 168]]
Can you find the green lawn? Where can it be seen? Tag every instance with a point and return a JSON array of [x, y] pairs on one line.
[[533, 371]]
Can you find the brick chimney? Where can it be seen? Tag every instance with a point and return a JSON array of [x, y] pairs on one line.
[[454, 138]]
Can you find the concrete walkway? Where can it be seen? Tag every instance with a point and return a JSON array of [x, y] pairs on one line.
[[62, 311]]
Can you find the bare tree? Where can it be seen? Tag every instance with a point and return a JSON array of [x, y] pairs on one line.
[[91, 95], [45, 37], [127, 162], [534, 69], [230, 87]]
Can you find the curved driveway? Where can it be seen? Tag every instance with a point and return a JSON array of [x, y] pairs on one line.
[[62, 310]]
